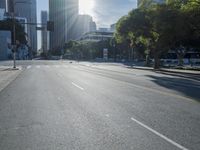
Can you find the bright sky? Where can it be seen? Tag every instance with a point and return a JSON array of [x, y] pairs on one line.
[[104, 12]]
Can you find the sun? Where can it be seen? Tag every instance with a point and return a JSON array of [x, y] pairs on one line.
[[86, 6]]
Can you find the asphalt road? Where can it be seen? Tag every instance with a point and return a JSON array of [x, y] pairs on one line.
[[55, 105]]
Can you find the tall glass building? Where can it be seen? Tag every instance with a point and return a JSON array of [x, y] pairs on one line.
[[26, 9], [64, 14], [44, 33], [3, 4]]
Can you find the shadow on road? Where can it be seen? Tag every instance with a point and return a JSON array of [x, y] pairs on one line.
[[184, 75], [186, 87]]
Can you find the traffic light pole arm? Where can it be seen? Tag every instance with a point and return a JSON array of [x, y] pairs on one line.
[[34, 23], [49, 24]]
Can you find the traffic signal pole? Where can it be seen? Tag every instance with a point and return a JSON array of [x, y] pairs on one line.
[[14, 41], [49, 27]]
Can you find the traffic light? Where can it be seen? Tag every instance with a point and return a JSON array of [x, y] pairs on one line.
[[50, 26]]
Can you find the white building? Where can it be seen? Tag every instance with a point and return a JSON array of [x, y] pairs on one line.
[[97, 36], [103, 29]]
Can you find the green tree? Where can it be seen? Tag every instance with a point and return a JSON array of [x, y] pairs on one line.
[[186, 32], [139, 28], [20, 34], [161, 27]]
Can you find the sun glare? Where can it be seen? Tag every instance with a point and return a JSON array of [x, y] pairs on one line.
[[86, 6]]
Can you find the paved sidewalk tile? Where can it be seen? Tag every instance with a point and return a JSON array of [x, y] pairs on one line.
[[7, 75]]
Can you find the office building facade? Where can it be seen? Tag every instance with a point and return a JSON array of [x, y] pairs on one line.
[[64, 14], [3, 4], [84, 25], [72, 16], [26, 9], [5, 39], [93, 26], [44, 33]]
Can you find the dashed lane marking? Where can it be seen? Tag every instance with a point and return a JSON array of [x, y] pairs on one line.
[[160, 135], [57, 66], [29, 67], [74, 84], [66, 66]]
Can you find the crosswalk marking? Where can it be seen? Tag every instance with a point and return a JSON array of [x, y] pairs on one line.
[[57, 66], [29, 67], [46, 66]]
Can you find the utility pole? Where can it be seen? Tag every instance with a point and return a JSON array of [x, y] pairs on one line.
[[14, 44], [14, 36], [14, 30]]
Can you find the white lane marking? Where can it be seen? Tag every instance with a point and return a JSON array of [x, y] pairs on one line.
[[47, 66], [160, 135], [20, 67], [37, 66], [59, 75], [29, 67], [75, 67], [57, 66], [107, 115], [66, 66], [74, 84]]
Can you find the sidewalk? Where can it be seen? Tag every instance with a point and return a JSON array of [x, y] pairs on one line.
[[135, 66], [175, 72], [190, 74], [193, 72], [7, 75]]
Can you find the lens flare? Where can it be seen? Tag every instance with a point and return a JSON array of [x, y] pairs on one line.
[[86, 6]]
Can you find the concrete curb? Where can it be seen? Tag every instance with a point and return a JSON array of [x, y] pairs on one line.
[[180, 73], [170, 71], [8, 75]]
